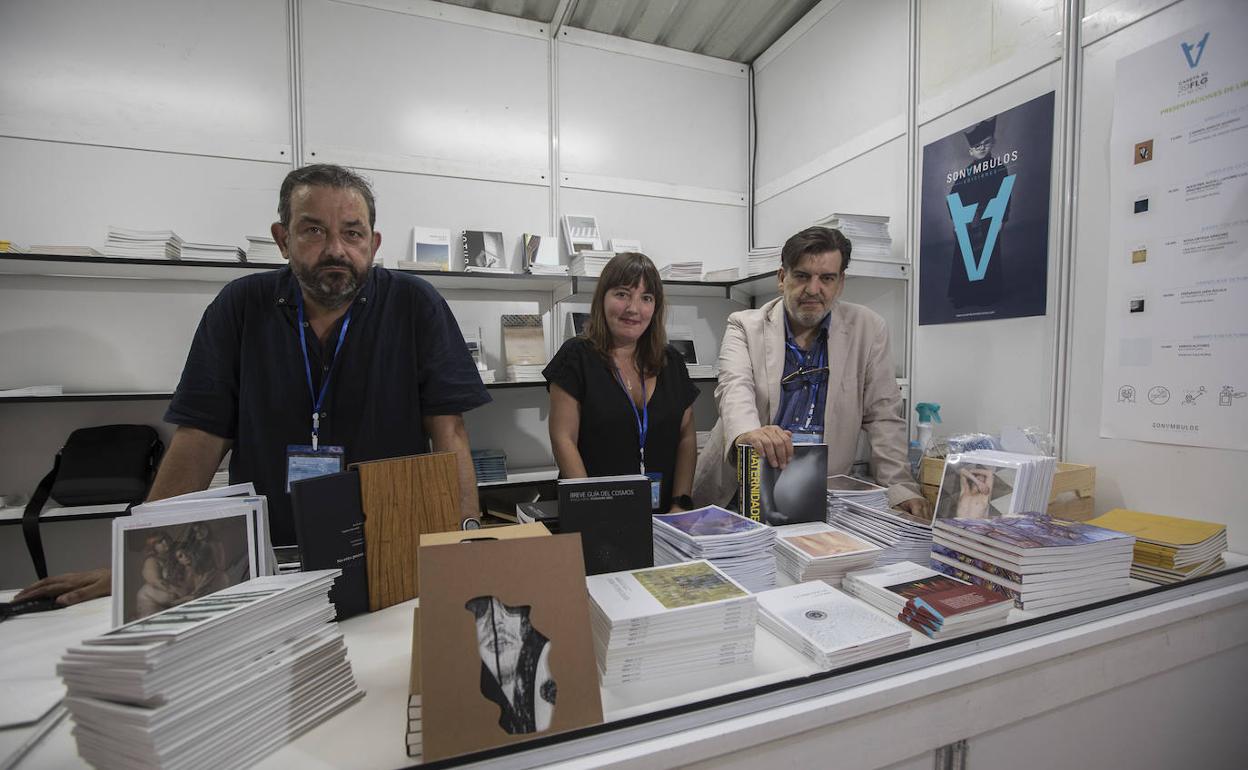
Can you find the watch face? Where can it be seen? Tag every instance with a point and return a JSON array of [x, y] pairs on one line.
[[470, 524]]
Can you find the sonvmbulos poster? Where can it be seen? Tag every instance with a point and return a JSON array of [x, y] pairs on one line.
[[984, 227]]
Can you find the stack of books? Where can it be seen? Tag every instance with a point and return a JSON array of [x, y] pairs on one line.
[[126, 243], [817, 551], [867, 233], [589, 262], [763, 260], [11, 247], [540, 269], [487, 376], [213, 252], [525, 373], [936, 605], [1168, 548], [681, 271], [985, 483], [263, 249], [545, 512], [222, 680], [489, 464], [702, 370], [63, 250], [661, 622], [829, 627], [1044, 564], [902, 537], [734, 544], [842, 488], [722, 275]]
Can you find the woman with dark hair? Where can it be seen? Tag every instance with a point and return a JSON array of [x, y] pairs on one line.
[[620, 396]]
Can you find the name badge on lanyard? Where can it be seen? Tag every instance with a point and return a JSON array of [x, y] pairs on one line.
[[306, 461], [643, 427]]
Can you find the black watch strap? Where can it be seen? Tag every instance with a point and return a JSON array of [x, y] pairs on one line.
[[684, 501]]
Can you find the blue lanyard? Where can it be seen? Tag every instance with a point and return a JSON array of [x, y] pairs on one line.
[[803, 362], [643, 418], [318, 400]]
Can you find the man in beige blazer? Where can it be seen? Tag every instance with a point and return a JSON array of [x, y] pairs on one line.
[[855, 374]]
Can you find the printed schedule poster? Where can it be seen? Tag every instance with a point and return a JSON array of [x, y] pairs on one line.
[[984, 227], [1176, 305]]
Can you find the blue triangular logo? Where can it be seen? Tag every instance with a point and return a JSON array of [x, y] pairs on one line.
[[1199, 48]]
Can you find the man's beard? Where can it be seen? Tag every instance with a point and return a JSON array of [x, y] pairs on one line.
[[807, 315], [329, 290]]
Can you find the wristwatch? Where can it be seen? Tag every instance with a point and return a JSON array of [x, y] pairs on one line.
[[684, 501]]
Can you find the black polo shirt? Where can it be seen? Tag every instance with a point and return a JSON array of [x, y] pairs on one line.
[[403, 357]]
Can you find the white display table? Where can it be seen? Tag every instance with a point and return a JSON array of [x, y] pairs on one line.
[[887, 713]]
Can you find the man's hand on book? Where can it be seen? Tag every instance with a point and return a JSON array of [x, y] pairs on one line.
[[774, 442], [70, 588]]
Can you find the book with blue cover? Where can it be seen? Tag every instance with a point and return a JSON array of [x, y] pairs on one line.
[[1037, 534]]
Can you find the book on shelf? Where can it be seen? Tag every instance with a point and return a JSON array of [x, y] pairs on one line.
[[612, 514], [129, 243], [828, 626], [489, 464], [524, 340], [168, 552], [329, 522], [741, 548], [483, 251], [544, 512], [431, 249], [868, 233], [541, 255], [763, 260], [233, 676], [577, 323], [63, 250], [263, 249], [681, 338], [788, 495], [1168, 548], [589, 262], [580, 231], [681, 271], [211, 252], [33, 390], [624, 245], [11, 247], [722, 275]]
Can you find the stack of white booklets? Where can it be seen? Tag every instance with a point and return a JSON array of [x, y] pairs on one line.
[[738, 546], [539, 269], [220, 681], [212, 252], [763, 260], [901, 588], [722, 275], [1013, 483], [842, 487], [702, 370], [818, 551], [660, 622], [63, 250], [589, 262], [262, 248], [902, 537], [681, 271], [829, 627], [127, 243], [1045, 564], [525, 373], [868, 233]]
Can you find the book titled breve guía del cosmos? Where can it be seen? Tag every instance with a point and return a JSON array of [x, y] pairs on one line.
[[790, 495], [612, 514]]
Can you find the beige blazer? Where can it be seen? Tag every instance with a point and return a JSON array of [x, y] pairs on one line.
[[862, 395]]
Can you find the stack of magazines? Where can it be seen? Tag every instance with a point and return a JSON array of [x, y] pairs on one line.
[[489, 464], [660, 622], [763, 260], [867, 232], [1168, 548], [842, 488], [903, 537], [829, 627], [262, 248], [984, 483], [936, 605], [817, 551], [212, 252], [222, 680], [587, 262], [525, 373], [1044, 564], [733, 543], [681, 271], [126, 243]]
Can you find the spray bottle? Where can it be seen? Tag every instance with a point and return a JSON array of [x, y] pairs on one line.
[[927, 413]]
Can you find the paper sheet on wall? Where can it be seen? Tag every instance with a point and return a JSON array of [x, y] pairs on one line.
[[1176, 312]]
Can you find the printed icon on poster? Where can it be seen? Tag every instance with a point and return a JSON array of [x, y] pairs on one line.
[[1158, 395], [1141, 205], [1143, 151], [1136, 304], [1126, 394], [1139, 255]]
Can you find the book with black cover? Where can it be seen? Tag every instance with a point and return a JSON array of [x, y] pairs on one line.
[[329, 522], [775, 496], [484, 249], [612, 513], [542, 511]]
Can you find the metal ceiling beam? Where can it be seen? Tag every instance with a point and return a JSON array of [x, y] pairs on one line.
[[563, 12]]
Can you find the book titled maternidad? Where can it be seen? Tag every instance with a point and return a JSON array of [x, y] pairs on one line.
[[796, 493]]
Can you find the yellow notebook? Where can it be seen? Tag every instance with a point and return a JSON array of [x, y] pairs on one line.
[[1154, 528]]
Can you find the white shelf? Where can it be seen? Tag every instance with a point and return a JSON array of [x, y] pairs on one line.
[[523, 476]]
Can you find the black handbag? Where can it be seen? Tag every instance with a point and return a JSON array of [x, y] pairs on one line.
[[103, 465]]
